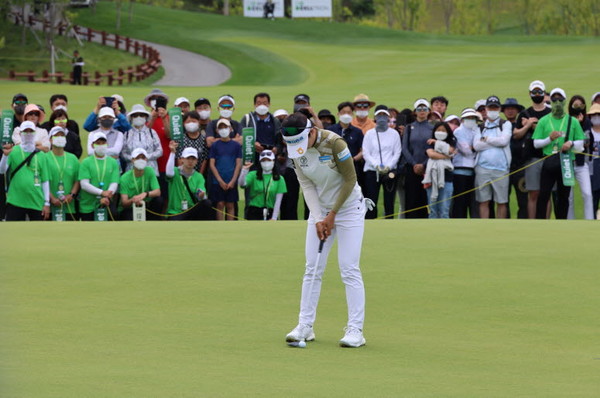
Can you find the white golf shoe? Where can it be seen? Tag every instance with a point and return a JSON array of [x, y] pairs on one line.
[[301, 332], [353, 338]]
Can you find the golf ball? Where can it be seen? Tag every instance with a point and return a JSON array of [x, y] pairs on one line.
[[302, 344]]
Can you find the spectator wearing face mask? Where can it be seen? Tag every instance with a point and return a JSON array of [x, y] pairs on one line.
[[528, 155], [556, 132], [414, 153], [157, 101], [226, 105], [187, 191], [121, 123], [202, 106], [225, 165], [480, 108], [594, 115], [353, 137], [139, 184], [141, 137], [492, 164], [464, 205], [265, 125], [99, 179], [362, 104], [114, 138], [184, 104], [265, 188], [193, 138], [439, 104], [577, 109], [18, 105], [63, 169], [29, 189], [326, 118], [438, 178], [381, 151], [60, 118], [35, 115]]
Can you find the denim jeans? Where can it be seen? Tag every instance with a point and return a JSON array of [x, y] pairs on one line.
[[442, 207]]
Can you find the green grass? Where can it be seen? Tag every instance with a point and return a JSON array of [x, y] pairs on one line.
[[34, 57], [454, 309]]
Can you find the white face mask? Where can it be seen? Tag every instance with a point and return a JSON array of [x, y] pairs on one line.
[[267, 165], [493, 115], [262, 110], [192, 127], [100, 150], [204, 114], [28, 141], [595, 120], [469, 123], [59, 141], [440, 135], [224, 133], [138, 121], [345, 118], [362, 114], [140, 164], [226, 113]]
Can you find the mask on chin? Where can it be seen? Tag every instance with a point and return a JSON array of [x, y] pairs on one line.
[[558, 108]]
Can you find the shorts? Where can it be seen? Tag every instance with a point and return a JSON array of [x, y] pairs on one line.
[[498, 190], [533, 175], [217, 194]]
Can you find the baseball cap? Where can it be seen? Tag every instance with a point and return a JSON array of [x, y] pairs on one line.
[[267, 154], [558, 90], [137, 152], [280, 112], [302, 97], [201, 101], [492, 100], [119, 98], [469, 112], [27, 125], [421, 101], [326, 113], [224, 121], [181, 100], [595, 96], [479, 104], [295, 134], [57, 129], [226, 97], [106, 111], [98, 135], [189, 151], [20, 96], [537, 84]]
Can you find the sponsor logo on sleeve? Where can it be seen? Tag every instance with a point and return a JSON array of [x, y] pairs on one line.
[[345, 154]]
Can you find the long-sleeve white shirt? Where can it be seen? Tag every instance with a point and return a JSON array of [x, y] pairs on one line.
[[391, 148]]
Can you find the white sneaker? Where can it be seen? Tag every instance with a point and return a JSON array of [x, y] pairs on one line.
[[301, 332], [353, 338]]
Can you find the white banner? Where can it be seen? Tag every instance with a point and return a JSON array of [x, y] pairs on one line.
[[311, 9], [255, 8]]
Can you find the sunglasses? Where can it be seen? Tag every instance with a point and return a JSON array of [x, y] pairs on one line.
[[33, 114], [537, 92], [422, 109], [226, 106], [556, 99], [20, 102], [580, 107], [60, 121], [362, 105]]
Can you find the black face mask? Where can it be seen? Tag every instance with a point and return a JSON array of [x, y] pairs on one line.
[[19, 109], [297, 107], [106, 123], [537, 99]]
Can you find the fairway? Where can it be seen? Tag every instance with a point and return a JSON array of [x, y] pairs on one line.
[[200, 309]]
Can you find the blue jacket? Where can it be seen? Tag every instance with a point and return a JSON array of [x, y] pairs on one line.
[[122, 124]]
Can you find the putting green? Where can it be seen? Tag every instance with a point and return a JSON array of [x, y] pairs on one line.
[[454, 309]]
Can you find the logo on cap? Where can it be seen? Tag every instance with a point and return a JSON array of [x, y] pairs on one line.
[[300, 151]]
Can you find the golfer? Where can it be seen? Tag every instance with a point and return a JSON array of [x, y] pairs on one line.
[[325, 170]]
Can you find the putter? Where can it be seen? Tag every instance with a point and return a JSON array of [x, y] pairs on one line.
[[314, 273]]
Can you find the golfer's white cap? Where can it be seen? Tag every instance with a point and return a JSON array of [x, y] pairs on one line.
[[537, 84], [421, 101], [181, 100], [187, 152], [137, 152], [296, 139], [558, 90], [479, 104], [106, 111], [280, 112]]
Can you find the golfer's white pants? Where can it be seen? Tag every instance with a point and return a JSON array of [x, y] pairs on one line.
[[582, 174], [349, 229]]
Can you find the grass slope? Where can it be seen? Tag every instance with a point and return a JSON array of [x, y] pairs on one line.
[[454, 309]]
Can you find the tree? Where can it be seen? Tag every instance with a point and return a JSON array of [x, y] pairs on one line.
[[448, 9]]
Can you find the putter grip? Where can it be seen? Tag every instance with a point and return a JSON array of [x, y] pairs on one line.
[[321, 243]]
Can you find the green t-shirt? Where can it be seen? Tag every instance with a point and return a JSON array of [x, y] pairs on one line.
[[547, 124], [66, 169], [131, 185], [178, 192], [25, 189], [258, 188], [101, 173]]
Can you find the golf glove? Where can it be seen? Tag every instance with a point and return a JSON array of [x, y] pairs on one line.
[[369, 204]]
